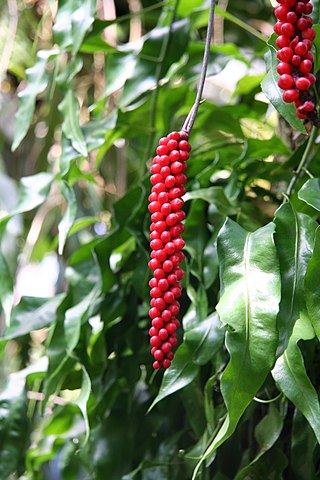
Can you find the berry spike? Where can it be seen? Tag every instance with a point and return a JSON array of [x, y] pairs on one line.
[[166, 243], [168, 180], [295, 37]]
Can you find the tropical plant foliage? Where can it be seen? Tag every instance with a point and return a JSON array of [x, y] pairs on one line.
[[79, 398]]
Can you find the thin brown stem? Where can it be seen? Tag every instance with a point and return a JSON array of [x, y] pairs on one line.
[[188, 124]]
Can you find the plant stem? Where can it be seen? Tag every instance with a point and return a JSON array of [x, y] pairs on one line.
[[155, 93], [188, 124], [303, 165]]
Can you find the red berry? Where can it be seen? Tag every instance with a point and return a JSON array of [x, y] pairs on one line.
[[172, 144], [163, 284], [303, 83], [285, 81], [165, 237], [170, 181], [302, 24], [287, 29], [292, 17], [167, 266], [156, 365], [159, 273], [174, 156], [309, 33], [157, 323], [305, 66], [155, 341], [166, 363], [282, 41], [296, 60], [176, 167], [308, 8], [154, 312], [158, 355], [163, 334], [281, 13], [301, 49], [166, 209], [159, 303], [162, 150], [290, 96], [284, 67], [166, 347], [153, 332], [285, 54]]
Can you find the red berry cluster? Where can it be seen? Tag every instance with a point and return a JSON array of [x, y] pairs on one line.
[[165, 205], [296, 35]]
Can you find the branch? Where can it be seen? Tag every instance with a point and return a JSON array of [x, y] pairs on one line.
[[304, 163]]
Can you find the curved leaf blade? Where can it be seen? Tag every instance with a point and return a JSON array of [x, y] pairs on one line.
[[294, 240], [249, 305], [310, 193], [311, 286], [291, 377]]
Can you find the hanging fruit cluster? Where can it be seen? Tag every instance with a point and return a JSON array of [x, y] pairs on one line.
[[294, 27], [168, 180]]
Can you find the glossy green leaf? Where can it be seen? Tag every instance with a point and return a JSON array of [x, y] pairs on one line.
[[311, 286], [37, 78], [267, 433], [82, 401], [292, 379], [181, 373], [214, 195], [144, 74], [294, 240], [310, 193], [247, 84], [78, 314], [271, 90], [249, 303], [69, 215], [303, 445], [73, 20], [32, 313], [70, 109], [205, 339]]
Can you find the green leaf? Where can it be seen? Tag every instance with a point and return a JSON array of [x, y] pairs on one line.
[[249, 303], [291, 377], [6, 288], [77, 315], [310, 193], [267, 433], [206, 339], [82, 401], [144, 74], [271, 90], [69, 216], [181, 373], [294, 240], [303, 444], [69, 107], [37, 82], [32, 313], [214, 195], [311, 286], [247, 83], [74, 17]]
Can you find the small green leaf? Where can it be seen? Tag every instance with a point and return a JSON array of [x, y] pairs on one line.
[[294, 240], [310, 193], [205, 339], [311, 286], [74, 17], [31, 314], [6, 288], [37, 81], [247, 83], [271, 90], [69, 216], [69, 107], [181, 373], [214, 195], [82, 401], [291, 377], [249, 303]]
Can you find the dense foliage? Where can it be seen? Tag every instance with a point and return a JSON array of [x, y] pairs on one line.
[[79, 397]]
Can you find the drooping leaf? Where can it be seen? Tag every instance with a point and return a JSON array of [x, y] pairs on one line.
[[6, 288], [294, 240], [82, 401], [310, 193], [205, 339], [312, 284], [73, 20], [37, 81], [250, 284], [69, 107], [32, 313], [69, 215], [271, 90], [292, 379], [303, 445], [181, 373]]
